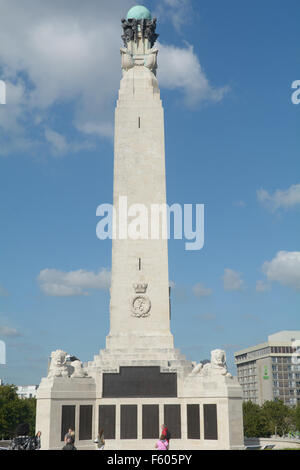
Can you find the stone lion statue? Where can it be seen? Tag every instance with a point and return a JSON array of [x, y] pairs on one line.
[[197, 369], [78, 369], [58, 366], [217, 365]]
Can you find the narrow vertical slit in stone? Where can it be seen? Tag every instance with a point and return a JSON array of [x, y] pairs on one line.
[[140, 264], [139, 122]]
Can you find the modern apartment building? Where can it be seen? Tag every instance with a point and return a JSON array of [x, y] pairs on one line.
[[271, 370]]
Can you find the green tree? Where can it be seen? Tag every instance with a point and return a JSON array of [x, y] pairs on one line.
[[14, 411], [7, 393], [279, 417], [297, 417], [255, 423], [31, 414]]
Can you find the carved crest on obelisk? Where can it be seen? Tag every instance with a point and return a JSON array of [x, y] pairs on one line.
[[140, 304]]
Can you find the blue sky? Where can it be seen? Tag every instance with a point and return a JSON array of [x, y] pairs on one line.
[[232, 143]]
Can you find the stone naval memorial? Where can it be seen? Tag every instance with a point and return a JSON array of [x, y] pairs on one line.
[[140, 381]]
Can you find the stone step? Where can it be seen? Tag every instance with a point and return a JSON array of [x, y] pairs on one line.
[[138, 357]]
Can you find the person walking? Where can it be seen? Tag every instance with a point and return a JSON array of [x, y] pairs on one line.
[[70, 435], [162, 443], [100, 441], [38, 440], [69, 444], [165, 432]]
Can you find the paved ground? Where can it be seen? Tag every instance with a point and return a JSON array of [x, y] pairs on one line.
[[277, 442]]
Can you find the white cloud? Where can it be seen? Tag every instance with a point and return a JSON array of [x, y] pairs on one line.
[[104, 129], [284, 269], [178, 11], [232, 280], [67, 54], [286, 199], [179, 68], [60, 145], [58, 141], [201, 291], [262, 286], [66, 284], [71, 55], [5, 331]]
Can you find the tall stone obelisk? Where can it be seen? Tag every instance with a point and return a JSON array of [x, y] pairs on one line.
[[139, 309], [140, 381]]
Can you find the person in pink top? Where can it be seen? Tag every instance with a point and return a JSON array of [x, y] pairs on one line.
[[162, 443]]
